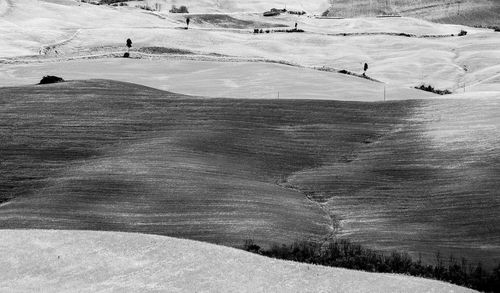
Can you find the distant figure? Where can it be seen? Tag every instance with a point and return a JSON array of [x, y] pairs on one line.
[[188, 20], [296, 26], [365, 68]]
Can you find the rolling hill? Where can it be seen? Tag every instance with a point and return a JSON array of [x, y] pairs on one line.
[[218, 158], [401, 52], [467, 12], [66, 261], [103, 155]]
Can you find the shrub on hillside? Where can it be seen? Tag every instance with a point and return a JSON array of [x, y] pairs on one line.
[[462, 33], [345, 254], [431, 89], [182, 9], [261, 31], [145, 7], [51, 79], [297, 12], [119, 2], [251, 246]]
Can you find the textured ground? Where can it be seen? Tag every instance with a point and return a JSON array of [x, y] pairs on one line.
[[427, 54], [420, 176], [69, 261]]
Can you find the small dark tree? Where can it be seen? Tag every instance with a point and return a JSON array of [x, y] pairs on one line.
[[188, 20], [365, 68], [129, 45], [51, 79]]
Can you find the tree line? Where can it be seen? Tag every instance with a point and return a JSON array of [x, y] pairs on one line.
[[345, 254]]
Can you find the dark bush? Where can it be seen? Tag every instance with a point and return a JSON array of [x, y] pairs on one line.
[[126, 55], [297, 12], [462, 33], [182, 9], [145, 7], [271, 13], [431, 89], [51, 79], [251, 246], [120, 2]]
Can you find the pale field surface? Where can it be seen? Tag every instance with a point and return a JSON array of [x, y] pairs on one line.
[[217, 79], [400, 62], [233, 6], [79, 261]]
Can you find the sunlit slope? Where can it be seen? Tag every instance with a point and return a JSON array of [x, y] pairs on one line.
[[66, 30], [27, 25], [470, 12], [251, 80], [69, 261], [231, 6]]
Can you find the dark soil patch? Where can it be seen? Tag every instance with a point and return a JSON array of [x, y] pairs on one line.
[[226, 21], [164, 50]]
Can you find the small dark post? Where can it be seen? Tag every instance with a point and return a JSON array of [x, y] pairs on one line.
[[188, 20]]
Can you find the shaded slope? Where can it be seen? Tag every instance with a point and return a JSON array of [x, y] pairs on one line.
[[66, 261], [115, 156], [419, 176], [431, 185]]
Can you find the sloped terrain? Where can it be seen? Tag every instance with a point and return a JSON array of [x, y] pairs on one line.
[[250, 80], [433, 180], [103, 155], [466, 12], [112, 156], [401, 52], [40, 260]]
